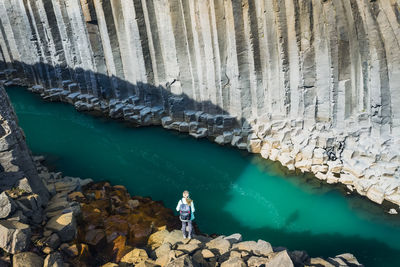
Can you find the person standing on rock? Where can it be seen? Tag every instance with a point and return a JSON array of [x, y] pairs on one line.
[[186, 210]]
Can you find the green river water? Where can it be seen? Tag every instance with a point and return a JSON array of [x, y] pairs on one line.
[[233, 191]]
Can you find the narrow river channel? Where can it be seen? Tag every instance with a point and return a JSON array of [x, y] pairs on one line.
[[233, 190]]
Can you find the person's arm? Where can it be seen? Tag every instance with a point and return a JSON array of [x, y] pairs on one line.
[[192, 206], [179, 205]]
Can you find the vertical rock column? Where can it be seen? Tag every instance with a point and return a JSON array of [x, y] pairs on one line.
[[15, 158]]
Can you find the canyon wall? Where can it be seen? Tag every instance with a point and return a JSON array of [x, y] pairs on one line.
[[17, 168], [314, 84]]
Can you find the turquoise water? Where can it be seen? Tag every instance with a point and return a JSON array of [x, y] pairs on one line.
[[232, 190]]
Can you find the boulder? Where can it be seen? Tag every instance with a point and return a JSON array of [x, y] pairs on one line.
[[181, 262], [298, 257], [147, 263], [254, 145], [119, 248], [64, 225], [76, 196], [14, 236], [53, 241], [174, 237], [96, 238], [259, 248], [18, 216], [156, 239], [376, 194], [234, 262], [25, 259], [32, 202], [234, 238], [24, 185], [188, 248], [133, 203], [83, 252], [280, 259], [201, 238], [7, 205], [235, 254], [320, 262], [219, 244], [72, 251], [349, 258], [337, 261], [53, 260], [162, 254], [198, 259], [47, 250], [207, 254], [135, 256], [255, 261]]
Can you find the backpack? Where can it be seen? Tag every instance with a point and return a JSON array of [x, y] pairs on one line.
[[185, 212]]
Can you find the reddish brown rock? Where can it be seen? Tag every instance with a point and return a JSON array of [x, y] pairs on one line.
[[76, 196], [118, 248], [113, 223], [96, 238], [139, 233], [84, 253], [115, 226]]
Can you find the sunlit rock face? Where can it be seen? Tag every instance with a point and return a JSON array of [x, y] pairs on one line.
[[314, 84]]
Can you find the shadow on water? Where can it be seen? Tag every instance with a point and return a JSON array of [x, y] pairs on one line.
[[159, 163]]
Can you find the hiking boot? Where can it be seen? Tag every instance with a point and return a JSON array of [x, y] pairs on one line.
[[184, 236], [190, 236]]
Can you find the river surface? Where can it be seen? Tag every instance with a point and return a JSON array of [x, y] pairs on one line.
[[233, 191]]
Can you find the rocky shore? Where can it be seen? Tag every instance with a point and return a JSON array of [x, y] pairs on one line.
[[97, 224]]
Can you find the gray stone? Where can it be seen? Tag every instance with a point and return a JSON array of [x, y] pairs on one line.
[[24, 185], [14, 236], [280, 259], [174, 237], [25, 259], [184, 261], [259, 248], [298, 257], [188, 248], [7, 205], [219, 245], [234, 262], [349, 258], [53, 241], [162, 254], [18, 216], [64, 225], [255, 261], [234, 238], [53, 260]]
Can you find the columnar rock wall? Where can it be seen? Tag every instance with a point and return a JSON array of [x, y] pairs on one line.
[[314, 84], [15, 159]]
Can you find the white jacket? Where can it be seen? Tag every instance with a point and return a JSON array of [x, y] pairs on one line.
[[183, 200]]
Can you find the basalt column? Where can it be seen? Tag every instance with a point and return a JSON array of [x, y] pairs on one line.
[[314, 84]]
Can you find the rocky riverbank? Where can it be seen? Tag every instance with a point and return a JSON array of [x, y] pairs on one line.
[[97, 224]]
